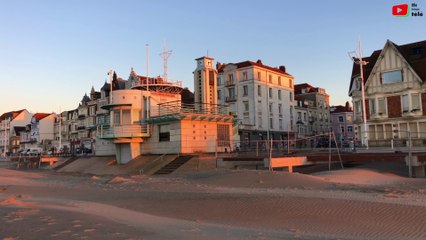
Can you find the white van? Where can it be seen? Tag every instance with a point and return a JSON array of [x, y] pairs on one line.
[[33, 151]]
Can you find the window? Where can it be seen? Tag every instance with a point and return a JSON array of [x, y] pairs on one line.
[[271, 122], [270, 78], [280, 121], [291, 97], [164, 133], [342, 129], [279, 81], [290, 83], [245, 76], [270, 92], [349, 118], [279, 94], [231, 77], [231, 92], [259, 91], [223, 135], [117, 118], [392, 77], [382, 106], [219, 94], [405, 106], [415, 102], [340, 118], [372, 103], [350, 129], [126, 117], [299, 116], [280, 108], [245, 90], [270, 107], [259, 76], [260, 121], [358, 106], [304, 117], [246, 106], [219, 81]]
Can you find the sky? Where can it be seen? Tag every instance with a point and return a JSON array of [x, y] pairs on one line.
[[52, 52]]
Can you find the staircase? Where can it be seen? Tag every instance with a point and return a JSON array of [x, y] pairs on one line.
[[66, 162], [173, 165]]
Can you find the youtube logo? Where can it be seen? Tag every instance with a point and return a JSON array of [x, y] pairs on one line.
[[400, 10]]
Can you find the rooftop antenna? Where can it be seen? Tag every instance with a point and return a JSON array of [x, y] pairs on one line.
[[146, 56], [165, 55]]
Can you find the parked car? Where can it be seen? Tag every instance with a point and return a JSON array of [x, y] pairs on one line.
[[83, 150]]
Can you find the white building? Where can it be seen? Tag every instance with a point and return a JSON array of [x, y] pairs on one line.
[[259, 96], [8, 121], [40, 132], [148, 117]]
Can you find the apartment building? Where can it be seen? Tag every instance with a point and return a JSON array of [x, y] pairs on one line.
[[259, 96], [395, 98], [11, 123], [342, 122], [316, 101], [39, 133]]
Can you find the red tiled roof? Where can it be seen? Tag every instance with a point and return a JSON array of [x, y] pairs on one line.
[[12, 115], [417, 62], [40, 116], [259, 63]]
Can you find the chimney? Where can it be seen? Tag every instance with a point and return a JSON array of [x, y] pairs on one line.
[[282, 68], [259, 61]]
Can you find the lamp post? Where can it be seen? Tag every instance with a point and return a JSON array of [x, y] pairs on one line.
[[364, 111]]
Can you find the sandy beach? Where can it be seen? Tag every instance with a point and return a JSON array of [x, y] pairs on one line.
[[356, 203]]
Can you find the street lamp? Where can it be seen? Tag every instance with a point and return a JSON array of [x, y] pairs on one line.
[[358, 60]]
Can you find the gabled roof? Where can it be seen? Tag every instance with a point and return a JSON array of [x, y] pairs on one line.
[[40, 116], [105, 87], [258, 63], [12, 115], [413, 53]]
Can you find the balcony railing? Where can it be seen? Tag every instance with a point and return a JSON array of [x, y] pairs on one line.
[[126, 131], [229, 82], [231, 99], [176, 107]]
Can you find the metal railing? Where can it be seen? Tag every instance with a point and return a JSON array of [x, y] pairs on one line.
[[131, 130], [176, 107]]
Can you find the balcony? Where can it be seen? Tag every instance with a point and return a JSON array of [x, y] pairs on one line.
[[231, 99], [229, 83], [126, 131]]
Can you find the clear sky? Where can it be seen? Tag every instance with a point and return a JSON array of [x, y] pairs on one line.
[[53, 52]]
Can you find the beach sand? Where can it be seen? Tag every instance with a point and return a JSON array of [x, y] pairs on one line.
[[356, 203]]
